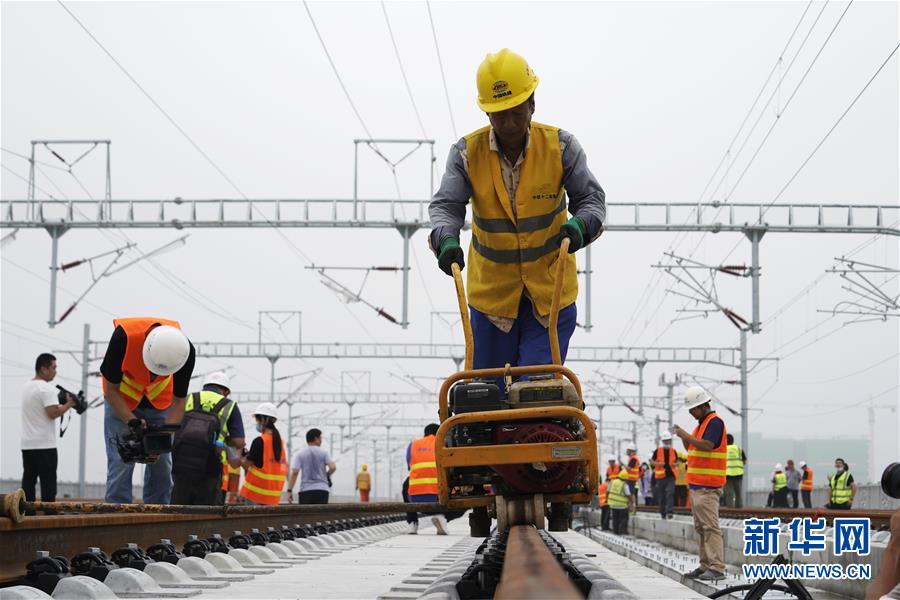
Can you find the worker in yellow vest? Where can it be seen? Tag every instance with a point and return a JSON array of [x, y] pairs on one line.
[[843, 488], [518, 174], [681, 489], [734, 475], [707, 461], [779, 488], [806, 484], [364, 483], [621, 502], [603, 500]]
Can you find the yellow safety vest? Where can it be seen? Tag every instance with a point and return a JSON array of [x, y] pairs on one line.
[[840, 489], [616, 494], [735, 466], [514, 243], [780, 481], [363, 480]]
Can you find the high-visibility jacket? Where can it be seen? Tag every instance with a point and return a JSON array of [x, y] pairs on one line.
[[264, 485], [707, 468], [616, 496], [613, 471], [634, 469], [840, 489], [514, 241], [363, 480], [602, 491], [807, 482], [208, 402], [735, 466], [422, 467], [680, 473], [136, 381], [779, 481], [666, 456]]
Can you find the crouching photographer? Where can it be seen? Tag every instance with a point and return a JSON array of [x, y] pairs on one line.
[[41, 406], [146, 372]]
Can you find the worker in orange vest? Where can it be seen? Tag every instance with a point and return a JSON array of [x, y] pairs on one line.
[[266, 462], [612, 471], [146, 374], [422, 483], [364, 483], [603, 499], [663, 463], [707, 462], [632, 469], [806, 484]]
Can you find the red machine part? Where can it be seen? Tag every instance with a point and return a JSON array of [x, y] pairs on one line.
[[546, 478]]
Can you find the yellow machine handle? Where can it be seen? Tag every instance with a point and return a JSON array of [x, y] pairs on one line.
[[554, 305], [463, 314]]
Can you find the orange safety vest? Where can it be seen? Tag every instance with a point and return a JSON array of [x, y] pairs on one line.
[[659, 472], [265, 485], [422, 467], [707, 468], [807, 484], [231, 477], [136, 381], [602, 490], [634, 469], [613, 471]]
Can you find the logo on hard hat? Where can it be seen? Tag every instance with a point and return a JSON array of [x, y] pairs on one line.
[[501, 89]]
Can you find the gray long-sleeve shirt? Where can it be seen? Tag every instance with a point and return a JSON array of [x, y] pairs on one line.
[[586, 198]]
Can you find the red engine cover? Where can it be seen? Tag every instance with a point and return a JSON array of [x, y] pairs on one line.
[[525, 478]]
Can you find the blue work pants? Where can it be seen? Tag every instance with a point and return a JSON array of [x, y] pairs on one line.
[[157, 476]]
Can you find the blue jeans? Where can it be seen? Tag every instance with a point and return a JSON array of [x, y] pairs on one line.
[[527, 343], [157, 477]]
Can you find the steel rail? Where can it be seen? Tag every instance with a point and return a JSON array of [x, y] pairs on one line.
[[879, 517], [530, 571]]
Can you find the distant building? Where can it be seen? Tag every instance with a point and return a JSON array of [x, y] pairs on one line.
[[765, 451]]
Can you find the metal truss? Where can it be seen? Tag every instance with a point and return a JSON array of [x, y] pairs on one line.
[[868, 299]]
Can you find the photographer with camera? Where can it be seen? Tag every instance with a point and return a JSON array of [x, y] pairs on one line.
[[42, 404], [146, 373]]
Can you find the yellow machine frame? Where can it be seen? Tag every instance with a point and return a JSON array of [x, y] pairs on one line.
[[584, 451]]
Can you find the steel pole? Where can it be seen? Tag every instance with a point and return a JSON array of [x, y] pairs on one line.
[[54, 232], [82, 432], [670, 392], [406, 232], [640, 365], [755, 234], [390, 462], [374, 466], [290, 445], [599, 431], [745, 436]]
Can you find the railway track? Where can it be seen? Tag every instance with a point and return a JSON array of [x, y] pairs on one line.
[[880, 518]]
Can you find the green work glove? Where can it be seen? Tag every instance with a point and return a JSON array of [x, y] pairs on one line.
[[573, 229], [450, 253]]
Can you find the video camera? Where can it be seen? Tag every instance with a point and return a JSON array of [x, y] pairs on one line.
[[81, 404], [144, 441]]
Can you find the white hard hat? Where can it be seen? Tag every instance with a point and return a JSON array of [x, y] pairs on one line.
[[219, 378], [266, 409], [695, 396], [802, 463], [665, 436], [779, 467], [166, 349], [630, 447]]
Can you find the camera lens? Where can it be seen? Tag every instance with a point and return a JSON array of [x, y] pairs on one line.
[[890, 480]]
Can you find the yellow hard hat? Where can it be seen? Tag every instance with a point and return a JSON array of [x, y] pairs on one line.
[[364, 467], [504, 81], [623, 475]]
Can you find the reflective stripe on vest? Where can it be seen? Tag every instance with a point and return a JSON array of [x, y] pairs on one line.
[[735, 464], [840, 490], [617, 495], [208, 402], [265, 485], [780, 481], [523, 231], [602, 492], [659, 471], [422, 467], [707, 468], [634, 469], [612, 472], [136, 383], [807, 484]]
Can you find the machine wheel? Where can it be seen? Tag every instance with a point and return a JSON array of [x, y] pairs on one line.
[[520, 510], [560, 516], [479, 522]]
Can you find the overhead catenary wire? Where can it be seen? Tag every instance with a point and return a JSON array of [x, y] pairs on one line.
[[412, 98], [437, 49]]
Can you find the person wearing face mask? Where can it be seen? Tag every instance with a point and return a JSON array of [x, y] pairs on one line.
[[266, 462], [843, 488], [523, 178], [663, 463]]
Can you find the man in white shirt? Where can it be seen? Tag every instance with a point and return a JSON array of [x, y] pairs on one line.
[[40, 408], [317, 467]]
